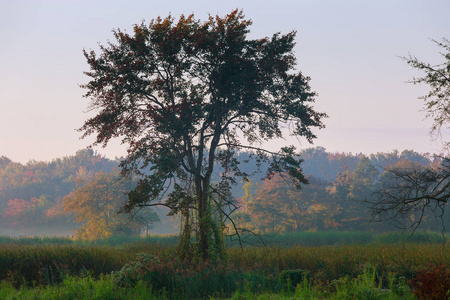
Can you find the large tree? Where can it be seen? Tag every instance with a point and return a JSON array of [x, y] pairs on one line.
[[185, 97]]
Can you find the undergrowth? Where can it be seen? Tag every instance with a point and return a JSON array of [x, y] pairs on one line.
[[151, 270]]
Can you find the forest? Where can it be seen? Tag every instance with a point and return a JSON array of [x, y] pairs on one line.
[[38, 197]]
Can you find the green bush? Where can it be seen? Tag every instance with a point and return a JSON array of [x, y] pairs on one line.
[[289, 279]]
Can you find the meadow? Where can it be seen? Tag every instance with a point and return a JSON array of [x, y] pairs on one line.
[[308, 265]]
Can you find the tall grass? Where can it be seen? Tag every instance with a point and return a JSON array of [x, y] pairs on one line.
[[116, 240], [43, 265], [321, 238], [309, 239], [46, 264], [85, 287], [417, 237], [34, 240], [253, 270]]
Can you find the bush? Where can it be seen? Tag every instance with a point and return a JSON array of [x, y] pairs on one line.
[[432, 283], [180, 279], [291, 278]]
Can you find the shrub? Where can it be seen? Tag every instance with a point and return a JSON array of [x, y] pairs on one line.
[[132, 272], [291, 278], [180, 279], [432, 283]]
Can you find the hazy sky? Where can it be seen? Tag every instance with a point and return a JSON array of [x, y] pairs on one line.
[[349, 49]]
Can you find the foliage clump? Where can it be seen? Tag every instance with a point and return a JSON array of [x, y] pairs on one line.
[[132, 272], [432, 283], [291, 278]]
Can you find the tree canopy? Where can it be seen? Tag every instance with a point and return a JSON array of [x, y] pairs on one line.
[[185, 97]]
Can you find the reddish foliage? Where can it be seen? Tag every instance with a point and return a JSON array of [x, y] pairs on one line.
[[432, 283], [16, 207]]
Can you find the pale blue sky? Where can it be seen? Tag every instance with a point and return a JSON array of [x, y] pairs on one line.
[[348, 48]]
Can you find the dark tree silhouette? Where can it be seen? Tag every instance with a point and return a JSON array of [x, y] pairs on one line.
[[185, 97]]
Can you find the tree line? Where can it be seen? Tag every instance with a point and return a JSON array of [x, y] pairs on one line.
[[85, 192], [339, 195]]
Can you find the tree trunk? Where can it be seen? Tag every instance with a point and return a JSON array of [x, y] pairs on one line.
[[203, 219]]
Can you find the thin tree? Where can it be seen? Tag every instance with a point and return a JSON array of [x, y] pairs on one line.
[[408, 191]]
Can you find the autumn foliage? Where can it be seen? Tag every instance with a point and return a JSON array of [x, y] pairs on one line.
[[432, 283]]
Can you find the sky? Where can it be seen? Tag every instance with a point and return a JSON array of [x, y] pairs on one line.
[[350, 49]]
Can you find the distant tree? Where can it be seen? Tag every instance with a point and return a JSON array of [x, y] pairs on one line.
[[15, 181], [412, 189], [383, 159], [275, 206], [409, 191], [311, 208], [242, 218], [320, 163], [362, 189], [343, 205], [96, 204], [21, 213], [364, 179], [15, 211], [185, 97], [316, 161], [267, 206], [342, 161], [4, 161], [38, 182], [350, 192], [415, 157]]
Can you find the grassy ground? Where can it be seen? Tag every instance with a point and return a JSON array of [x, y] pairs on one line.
[[321, 265], [363, 287]]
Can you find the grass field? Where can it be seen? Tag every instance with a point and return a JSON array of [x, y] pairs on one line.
[[310, 265]]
